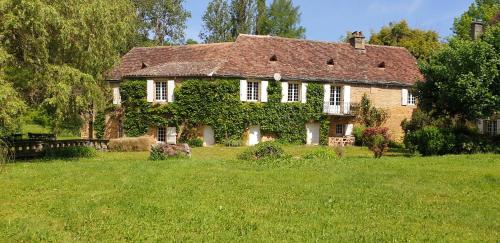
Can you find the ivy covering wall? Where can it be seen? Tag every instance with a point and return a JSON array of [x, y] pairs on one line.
[[216, 103]]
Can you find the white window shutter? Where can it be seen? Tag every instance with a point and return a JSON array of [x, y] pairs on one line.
[[116, 96], [263, 92], [480, 126], [150, 90], [498, 127], [170, 90], [284, 92], [404, 97], [243, 90], [348, 129], [326, 97], [347, 99], [304, 93], [171, 135]]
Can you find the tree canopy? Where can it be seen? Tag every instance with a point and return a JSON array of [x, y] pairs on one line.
[[164, 19], [484, 10], [283, 20], [420, 43], [224, 21], [60, 51], [463, 79], [216, 22]]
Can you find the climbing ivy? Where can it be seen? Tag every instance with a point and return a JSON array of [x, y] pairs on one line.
[[216, 103]]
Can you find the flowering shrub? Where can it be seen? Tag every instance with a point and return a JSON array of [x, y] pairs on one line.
[[377, 139]]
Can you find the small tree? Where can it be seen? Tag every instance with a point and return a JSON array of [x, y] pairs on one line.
[[377, 139], [371, 116]]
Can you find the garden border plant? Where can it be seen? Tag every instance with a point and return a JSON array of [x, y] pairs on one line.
[[216, 103]]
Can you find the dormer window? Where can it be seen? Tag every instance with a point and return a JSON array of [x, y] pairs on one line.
[[330, 62], [381, 65], [273, 58], [144, 65]]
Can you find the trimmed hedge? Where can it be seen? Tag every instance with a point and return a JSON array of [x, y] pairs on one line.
[[70, 152]]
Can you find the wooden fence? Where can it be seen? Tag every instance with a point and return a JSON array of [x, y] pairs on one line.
[[26, 149]]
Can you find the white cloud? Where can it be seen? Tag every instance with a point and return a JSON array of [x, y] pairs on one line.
[[401, 6]]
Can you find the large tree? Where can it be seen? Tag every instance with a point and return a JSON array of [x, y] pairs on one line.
[[243, 15], [483, 10], [284, 20], [463, 78], [13, 106], [217, 25], [250, 17], [164, 19], [420, 43], [60, 50]]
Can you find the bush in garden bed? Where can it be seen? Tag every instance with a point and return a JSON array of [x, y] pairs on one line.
[[263, 151], [377, 139], [70, 152], [133, 144]]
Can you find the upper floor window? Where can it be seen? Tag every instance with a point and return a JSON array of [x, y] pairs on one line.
[[253, 91], [293, 92], [161, 90], [335, 95], [491, 127], [411, 99]]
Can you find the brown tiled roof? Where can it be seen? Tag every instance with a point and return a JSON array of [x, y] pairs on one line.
[[174, 60], [249, 57]]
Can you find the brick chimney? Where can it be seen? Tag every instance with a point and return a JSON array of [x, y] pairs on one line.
[[357, 40], [476, 29]]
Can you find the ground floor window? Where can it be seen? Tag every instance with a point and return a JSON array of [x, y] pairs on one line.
[[339, 130], [491, 127], [161, 134], [120, 129]]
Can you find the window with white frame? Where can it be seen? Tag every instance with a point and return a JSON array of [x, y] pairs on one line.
[[411, 99], [339, 129], [491, 127], [253, 91], [161, 134], [335, 95], [293, 92], [161, 91]]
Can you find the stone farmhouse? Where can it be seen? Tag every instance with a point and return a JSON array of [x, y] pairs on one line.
[[347, 71]]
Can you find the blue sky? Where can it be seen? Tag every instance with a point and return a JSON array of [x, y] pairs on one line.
[[330, 19]]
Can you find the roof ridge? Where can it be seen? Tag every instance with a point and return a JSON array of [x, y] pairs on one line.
[[184, 45], [315, 41]]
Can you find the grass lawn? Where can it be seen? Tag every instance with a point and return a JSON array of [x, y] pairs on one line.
[[214, 197]]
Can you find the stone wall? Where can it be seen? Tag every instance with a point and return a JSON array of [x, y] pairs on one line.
[[388, 98]]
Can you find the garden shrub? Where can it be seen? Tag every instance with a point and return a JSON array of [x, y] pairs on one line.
[[71, 152], [157, 154], [263, 151], [137, 144], [163, 151], [195, 142], [232, 142], [431, 140], [358, 135], [321, 154], [370, 116], [377, 139]]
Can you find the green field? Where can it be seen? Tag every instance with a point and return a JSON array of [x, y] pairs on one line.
[[214, 197]]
